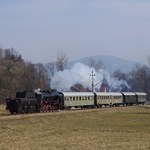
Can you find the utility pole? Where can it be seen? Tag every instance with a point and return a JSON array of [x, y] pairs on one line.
[[92, 80]]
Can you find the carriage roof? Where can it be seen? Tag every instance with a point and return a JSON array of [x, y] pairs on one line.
[[77, 93], [108, 93], [128, 93], [141, 93]]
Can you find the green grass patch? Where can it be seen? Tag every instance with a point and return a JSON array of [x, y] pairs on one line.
[[107, 128]]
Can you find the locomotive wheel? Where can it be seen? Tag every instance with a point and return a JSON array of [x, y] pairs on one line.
[[44, 108], [12, 112], [53, 107], [21, 111]]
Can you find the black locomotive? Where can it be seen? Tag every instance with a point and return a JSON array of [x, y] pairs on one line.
[[37, 101]]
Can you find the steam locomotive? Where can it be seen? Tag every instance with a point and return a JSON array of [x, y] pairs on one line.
[[45, 101], [33, 101]]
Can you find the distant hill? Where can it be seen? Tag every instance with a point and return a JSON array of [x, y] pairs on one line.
[[111, 63]]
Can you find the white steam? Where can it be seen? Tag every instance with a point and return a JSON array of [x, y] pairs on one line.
[[81, 73]]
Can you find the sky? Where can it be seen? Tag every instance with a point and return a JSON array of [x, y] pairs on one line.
[[40, 30]]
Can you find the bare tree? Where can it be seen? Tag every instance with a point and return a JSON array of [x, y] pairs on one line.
[[1, 54], [119, 75], [97, 64], [140, 79], [42, 76], [61, 61], [12, 54], [51, 68], [148, 60]]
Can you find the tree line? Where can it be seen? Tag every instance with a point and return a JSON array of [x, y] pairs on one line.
[[16, 74]]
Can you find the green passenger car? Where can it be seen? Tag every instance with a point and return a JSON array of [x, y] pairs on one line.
[[78, 99], [141, 97], [108, 99], [129, 98]]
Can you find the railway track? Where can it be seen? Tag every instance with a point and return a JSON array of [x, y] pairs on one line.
[[61, 112]]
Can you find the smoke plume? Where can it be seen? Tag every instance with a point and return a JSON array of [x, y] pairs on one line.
[[82, 74]]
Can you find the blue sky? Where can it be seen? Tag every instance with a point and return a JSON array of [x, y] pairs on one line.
[[41, 29]]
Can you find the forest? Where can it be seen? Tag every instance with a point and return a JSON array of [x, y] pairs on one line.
[[17, 74]]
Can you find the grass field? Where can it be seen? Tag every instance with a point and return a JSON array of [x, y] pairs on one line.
[[96, 129]]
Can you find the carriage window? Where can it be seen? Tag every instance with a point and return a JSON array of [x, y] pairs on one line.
[[118, 97], [79, 97], [74, 98]]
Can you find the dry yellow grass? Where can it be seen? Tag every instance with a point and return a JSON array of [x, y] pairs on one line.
[[3, 110], [96, 129]]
